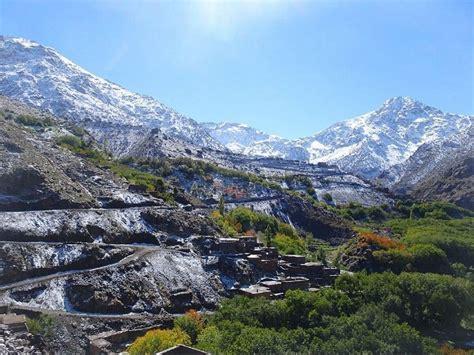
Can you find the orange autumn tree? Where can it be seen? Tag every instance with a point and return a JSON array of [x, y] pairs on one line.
[[385, 243]]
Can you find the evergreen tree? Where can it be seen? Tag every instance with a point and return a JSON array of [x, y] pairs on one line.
[[221, 206], [321, 255], [268, 236]]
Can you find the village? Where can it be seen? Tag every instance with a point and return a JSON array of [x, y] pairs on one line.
[[279, 273]]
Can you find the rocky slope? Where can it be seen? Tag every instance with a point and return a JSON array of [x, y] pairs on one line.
[[78, 240], [437, 170], [65, 220], [453, 183], [37, 174]]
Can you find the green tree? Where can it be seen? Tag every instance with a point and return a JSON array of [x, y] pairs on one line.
[[327, 197], [221, 206], [42, 325], [268, 236], [321, 255]]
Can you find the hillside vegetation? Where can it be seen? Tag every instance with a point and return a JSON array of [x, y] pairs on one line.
[[378, 313], [428, 237]]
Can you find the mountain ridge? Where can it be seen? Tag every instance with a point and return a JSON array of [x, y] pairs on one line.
[[367, 145], [41, 77], [370, 143]]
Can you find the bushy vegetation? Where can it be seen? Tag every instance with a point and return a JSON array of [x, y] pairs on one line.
[[327, 197], [378, 313], [191, 323], [29, 120], [26, 119], [298, 179], [423, 300], [42, 325], [186, 330], [454, 237], [413, 254], [192, 167], [402, 210], [424, 237]]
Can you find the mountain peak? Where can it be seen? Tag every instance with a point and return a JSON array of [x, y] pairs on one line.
[[404, 106], [399, 102], [19, 40]]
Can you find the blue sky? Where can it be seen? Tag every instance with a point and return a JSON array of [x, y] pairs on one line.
[[286, 67]]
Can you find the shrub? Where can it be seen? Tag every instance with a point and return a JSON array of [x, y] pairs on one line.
[[157, 340], [376, 214], [42, 325], [78, 131], [394, 260], [438, 210], [71, 141], [210, 339], [29, 120], [429, 258], [327, 197]]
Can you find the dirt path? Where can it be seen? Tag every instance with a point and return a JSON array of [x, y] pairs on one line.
[[139, 253], [22, 309]]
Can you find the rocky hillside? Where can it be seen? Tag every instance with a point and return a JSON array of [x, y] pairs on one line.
[[437, 170], [52, 199], [37, 174], [453, 183], [101, 245]]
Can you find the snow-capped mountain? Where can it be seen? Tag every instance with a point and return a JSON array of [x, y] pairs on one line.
[[367, 144], [41, 77], [377, 140], [240, 138]]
